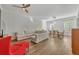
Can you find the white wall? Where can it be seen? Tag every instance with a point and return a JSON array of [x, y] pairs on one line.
[[0, 19], [17, 21]]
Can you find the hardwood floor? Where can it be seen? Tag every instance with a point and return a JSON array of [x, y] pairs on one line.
[[51, 47]]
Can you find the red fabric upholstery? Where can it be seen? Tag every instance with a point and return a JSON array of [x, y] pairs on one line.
[[18, 48], [4, 45], [23, 43]]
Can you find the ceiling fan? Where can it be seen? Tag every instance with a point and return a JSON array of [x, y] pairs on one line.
[[23, 6]]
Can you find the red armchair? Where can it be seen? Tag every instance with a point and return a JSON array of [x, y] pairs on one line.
[[19, 48]]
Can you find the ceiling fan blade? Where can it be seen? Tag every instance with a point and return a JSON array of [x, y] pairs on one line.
[[25, 5], [16, 6]]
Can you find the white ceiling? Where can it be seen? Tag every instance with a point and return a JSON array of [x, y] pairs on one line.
[[53, 9], [47, 10]]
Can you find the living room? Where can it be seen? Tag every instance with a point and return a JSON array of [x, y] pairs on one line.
[[47, 27]]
